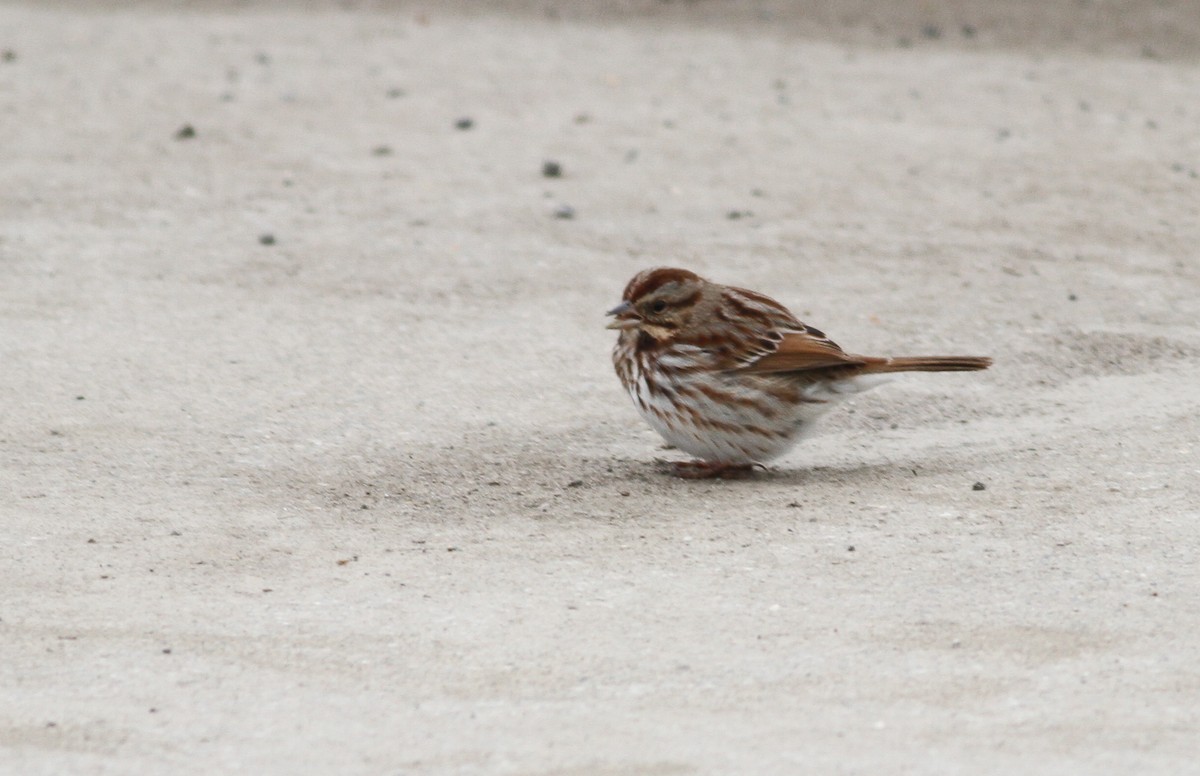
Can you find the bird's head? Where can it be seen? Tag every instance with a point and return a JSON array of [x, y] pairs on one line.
[[658, 302]]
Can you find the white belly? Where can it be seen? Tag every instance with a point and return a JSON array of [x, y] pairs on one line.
[[755, 427]]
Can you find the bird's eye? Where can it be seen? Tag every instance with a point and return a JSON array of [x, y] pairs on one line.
[[658, 306]]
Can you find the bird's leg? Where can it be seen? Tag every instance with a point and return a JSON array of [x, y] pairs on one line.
[[706, 470]]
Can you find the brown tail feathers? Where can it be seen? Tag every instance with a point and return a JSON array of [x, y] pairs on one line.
[[928, 364]]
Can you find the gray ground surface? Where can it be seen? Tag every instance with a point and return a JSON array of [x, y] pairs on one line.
[[370, 499]]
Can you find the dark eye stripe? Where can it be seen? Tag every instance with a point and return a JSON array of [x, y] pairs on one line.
[[659, 305]]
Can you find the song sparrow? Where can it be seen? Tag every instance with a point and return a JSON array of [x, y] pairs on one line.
[[729, 375]]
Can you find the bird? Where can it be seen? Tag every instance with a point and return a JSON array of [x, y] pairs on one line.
[[730, 376]]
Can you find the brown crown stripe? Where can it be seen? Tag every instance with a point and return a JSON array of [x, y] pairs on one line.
[[651, 280]]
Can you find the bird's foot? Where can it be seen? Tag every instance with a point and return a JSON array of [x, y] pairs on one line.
[[707, 470]]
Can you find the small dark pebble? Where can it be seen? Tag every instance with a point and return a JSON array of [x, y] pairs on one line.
[[464, 123], [850, 548], [91, 541], [78, 398], [979, 486], [166, 650], [575, 483], [153, 710], [734, 215], [1072, 297], [9, 55], [551, 169], [186, 132], [1003, 134], [451, 549], [381, 151], [794, 504], [363, 506], [266, 239], [931, 31], [565, 212]]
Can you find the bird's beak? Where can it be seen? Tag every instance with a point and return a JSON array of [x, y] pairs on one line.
[[626, 318]]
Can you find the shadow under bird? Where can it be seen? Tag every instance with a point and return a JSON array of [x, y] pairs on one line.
[[730, 376]]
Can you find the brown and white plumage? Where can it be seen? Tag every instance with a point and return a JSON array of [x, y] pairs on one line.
[[731, 376]]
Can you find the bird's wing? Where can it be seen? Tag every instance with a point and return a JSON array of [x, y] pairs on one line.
[[778, 341], [801, 350]]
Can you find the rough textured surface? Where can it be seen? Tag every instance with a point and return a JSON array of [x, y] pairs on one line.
[[312, 458]]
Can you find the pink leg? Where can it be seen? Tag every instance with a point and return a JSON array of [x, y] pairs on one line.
[[705, 470]]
